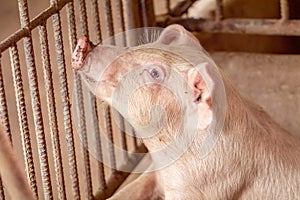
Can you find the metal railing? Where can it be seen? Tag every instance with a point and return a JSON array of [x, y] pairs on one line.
[[118, 16], [77, 23]]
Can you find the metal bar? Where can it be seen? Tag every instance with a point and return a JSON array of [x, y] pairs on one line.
[[96, 21], [284, 10], [80, 107], [135, 142], [128, 23], [118, 178], [123, 135], [36, 105], [60, 182], [93, 102], [120, 20], [64, 90], [237, 26], [107, 112], [109, 18], [101, 177], [4, 119], [148, 15], [129, 17], [3, 107], [108, 126], [219, 10], [2, 195], [26, 31], [181, 7], [168, 6], [22, 117]]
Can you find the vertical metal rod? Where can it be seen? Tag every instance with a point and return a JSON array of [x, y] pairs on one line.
[[109, 19], [129, 23], [120, 120], [110, 29], [101, 177], [3, 106], [52, 112], [64, 90], [135, 142], [80, 106], [36, 105], [108, 126], [2, 195], [96, 20], [219, 10], [93, 101], [168, 6], [148, 15], [4, 119], [284, 10], [22, 116], [119, 19]]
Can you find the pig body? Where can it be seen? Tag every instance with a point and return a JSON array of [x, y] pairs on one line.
[[252, 158]]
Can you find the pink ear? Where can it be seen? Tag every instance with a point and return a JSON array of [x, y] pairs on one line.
[[178, 35], [200, 88]]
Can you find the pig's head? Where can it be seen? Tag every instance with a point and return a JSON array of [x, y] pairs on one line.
[[168, 89]]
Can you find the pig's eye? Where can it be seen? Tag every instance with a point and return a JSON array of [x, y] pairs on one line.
[[155, 73]]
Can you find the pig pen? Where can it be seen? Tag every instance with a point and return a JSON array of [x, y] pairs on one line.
[[38, 89]]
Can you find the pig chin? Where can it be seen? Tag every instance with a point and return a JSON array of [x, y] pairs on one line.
[[105, 91]]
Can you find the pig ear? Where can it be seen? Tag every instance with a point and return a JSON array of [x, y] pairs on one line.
[[178, 35], [202, 87]]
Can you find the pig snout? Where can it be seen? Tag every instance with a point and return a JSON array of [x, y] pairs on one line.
[[81, 50]]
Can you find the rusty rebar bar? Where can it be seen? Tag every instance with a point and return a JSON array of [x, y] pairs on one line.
[[2, 194], [3, 107], [236, 26], [35, 101], [96, 21], [219, 10], [109, 18], [93, 102], [81, 110], [148, 16], [38, 20], [284, 10], [109, 131], [119, 21], [168, 6], [107, 111], [60, 182], [64, 90], [22, 117]]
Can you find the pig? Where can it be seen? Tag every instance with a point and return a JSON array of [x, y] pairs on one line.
[[206, 140], [13, 177]]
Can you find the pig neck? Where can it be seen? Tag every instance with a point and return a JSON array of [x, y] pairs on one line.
[[245, 146]]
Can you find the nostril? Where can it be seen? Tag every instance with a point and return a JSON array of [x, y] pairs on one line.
[[81, 50]]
